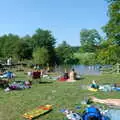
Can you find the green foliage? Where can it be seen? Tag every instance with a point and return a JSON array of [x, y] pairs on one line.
[[28, 39], [23, 50], [75, 48], [112, 28], [41, 56], [65, 53], [105, 51], [44, 38], [86, 58], [13, 45], [105, 44], [109, 55], [7, 45], [89, 39]]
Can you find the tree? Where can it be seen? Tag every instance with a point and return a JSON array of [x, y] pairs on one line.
[[109, 55], [41, 56], [86, 58], [28, 39], [112, 28], [89, 39], [44, 38], [8, 44], [75, 48], [65, 53], [23, 50], [16, 47]]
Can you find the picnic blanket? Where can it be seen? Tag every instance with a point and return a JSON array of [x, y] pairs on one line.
[[37, 112], [86, 109], [18, 85], [104, 88]]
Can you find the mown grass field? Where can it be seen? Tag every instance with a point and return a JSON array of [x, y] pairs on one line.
[[59, 94]]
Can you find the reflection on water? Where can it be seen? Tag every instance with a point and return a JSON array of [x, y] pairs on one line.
[[80, 69]]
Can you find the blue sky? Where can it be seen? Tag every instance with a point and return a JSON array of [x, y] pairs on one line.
[[65, 18]]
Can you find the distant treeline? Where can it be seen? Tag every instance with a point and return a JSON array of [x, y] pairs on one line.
[[94, 49]]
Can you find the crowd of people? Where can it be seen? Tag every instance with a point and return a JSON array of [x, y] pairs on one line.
[[39, 71], [68, 76]]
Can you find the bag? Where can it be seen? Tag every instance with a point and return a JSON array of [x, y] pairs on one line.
[[92, 112]]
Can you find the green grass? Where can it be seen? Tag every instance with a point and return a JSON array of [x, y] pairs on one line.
[[60, 94]]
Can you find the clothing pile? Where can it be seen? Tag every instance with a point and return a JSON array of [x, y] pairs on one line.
[[18, 85], [8, 75], [90, 113]]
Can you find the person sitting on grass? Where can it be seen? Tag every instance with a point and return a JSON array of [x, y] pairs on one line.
[[72, 74], [94, 85], [66, 75]]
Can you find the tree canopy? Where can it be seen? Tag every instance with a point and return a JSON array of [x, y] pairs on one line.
[[41, 56], [40, 47], [22, 48], [112, 28], [65, 53], [89, 39]]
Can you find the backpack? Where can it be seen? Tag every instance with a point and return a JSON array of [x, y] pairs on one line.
[[92, 112]]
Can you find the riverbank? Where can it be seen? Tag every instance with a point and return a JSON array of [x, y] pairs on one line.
[[59, 94]]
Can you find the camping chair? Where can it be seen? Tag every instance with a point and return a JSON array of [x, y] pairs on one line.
[[36, 75]]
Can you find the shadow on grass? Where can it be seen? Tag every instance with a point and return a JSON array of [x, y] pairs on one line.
[[45, 82], [107, 83], [42, 115], [82, 78]]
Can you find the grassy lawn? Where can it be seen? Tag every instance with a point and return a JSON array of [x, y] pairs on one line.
[[60, 94]]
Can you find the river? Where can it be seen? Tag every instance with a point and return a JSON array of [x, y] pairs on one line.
[[80, 69]]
